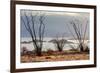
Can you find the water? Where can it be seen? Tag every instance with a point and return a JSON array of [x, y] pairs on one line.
[[49, 45]]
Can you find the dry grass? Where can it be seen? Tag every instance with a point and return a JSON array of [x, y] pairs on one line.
[[56, 56]]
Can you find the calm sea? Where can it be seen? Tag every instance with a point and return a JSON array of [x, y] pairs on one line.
[[26, 42]]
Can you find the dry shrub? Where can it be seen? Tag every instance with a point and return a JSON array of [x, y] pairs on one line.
[[24, 50], [47, 57], [74, 50], [87, 49], [50, 51]]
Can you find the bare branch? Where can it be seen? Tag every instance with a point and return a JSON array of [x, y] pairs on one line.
[[85, 32], [30, 27]]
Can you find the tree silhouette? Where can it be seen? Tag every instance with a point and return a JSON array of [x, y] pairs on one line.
[[78, 32], [37, 35], [59, 43]]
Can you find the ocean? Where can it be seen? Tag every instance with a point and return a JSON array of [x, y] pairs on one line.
[[27, 42]]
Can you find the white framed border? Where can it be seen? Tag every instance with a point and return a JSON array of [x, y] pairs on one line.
[[59, 63]]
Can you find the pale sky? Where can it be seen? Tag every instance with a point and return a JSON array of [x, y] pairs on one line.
[[56, 22]]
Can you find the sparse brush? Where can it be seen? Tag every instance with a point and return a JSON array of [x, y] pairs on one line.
[[74, 50], [87, 49], [50, 51]]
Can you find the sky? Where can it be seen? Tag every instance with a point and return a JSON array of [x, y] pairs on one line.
[[57, 23]]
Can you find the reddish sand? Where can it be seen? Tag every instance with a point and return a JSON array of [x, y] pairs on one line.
[[57, 57]]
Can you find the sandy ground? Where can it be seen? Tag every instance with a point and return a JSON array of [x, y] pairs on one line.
[[59, 57]]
